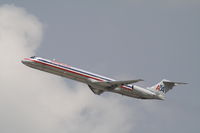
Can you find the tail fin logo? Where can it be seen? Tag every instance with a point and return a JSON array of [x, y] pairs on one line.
[[160, 87], [164, 86]]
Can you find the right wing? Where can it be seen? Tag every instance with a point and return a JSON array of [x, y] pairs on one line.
[[115, 84], [98, 87]]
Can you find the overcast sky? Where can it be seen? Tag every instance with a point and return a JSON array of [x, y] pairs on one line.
[[121, 39]]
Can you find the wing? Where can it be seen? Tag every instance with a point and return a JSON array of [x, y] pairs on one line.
[[108, 85], [115, 84], [95, 90]]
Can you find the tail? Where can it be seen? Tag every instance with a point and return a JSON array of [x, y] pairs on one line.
[[164, 86]]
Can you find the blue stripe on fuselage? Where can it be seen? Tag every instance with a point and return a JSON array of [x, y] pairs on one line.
[[74, 69], [85, 73]]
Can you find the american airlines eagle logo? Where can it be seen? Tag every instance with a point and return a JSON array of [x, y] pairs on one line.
[[160, 87]]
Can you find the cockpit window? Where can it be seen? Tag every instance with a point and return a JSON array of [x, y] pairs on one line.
[[33, 57]]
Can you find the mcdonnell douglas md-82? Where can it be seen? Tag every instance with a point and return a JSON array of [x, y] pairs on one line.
[[99, 84]]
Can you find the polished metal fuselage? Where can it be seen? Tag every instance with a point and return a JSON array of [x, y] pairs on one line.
[[130, 90]]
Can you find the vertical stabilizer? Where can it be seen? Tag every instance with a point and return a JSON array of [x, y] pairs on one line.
[[165, 85]]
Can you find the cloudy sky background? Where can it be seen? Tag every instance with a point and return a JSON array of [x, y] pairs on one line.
[[121, 39]]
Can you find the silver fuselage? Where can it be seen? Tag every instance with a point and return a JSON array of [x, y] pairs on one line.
[[84, 77]]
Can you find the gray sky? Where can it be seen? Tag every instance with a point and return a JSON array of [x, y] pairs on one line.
[[127, 39]]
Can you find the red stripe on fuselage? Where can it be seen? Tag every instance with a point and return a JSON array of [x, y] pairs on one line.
[[125, 87]]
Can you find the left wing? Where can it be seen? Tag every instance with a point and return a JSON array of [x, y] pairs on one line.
[[95, 90]]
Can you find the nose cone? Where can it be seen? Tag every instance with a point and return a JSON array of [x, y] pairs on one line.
[[26, 61]]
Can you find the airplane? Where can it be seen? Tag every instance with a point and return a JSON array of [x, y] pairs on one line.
[[100, 84]]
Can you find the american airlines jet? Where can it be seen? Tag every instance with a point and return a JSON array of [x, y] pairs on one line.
[[99, 84]]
